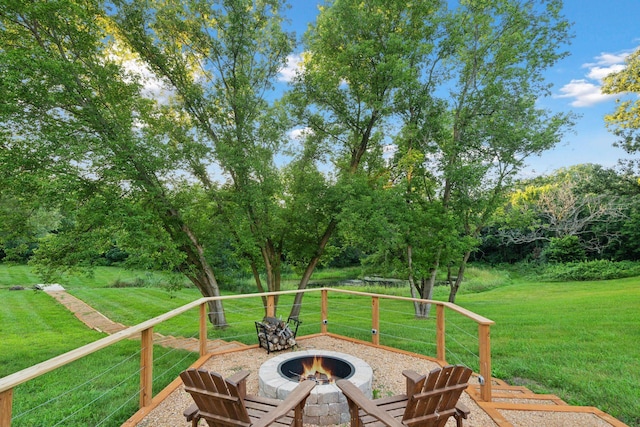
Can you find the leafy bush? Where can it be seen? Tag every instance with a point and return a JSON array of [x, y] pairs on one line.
[[479, 279], [591, 270], [115, 255], [564, 249], [138, 282]]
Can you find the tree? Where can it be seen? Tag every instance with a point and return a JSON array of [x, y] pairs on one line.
[[73, 117], [466, 120], [22, 223], [625, 121], [585, 202], [494, 55], [358, 55], [565, 249], [221, 59], [455, 94]]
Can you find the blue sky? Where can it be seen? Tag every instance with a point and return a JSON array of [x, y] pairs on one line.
[[605, 31]]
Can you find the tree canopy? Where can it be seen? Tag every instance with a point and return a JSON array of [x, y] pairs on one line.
[[414, 121], [625, 121]]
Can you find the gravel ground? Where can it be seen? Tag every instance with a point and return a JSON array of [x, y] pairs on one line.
[[388, 380]]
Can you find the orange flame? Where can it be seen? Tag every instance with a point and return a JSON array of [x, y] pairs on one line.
[[316, 370]]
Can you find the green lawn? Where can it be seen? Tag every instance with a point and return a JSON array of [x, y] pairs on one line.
[[100, 388], [577, 340], [31, 326], [100, 277]]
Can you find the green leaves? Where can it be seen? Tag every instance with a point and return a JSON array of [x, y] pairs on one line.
[[625, 121], [416, 118]]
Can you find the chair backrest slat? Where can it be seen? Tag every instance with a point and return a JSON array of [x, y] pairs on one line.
[[431, 404], [213, 395], [193, 385]]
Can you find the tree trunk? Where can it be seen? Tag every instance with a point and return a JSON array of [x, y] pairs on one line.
[[203, 278], [427, 293], [455, 285], [216, 311], [415, 292], [304, 281], [421, 310], [273, 267], [256, 277]]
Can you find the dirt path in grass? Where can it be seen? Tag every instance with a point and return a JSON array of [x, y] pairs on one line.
[[87, 314], [101, 323]]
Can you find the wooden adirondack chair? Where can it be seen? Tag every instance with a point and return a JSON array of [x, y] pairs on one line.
[[429, 402], [226, 403]]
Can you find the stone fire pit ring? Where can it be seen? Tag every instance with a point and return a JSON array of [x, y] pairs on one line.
[[326, 405]]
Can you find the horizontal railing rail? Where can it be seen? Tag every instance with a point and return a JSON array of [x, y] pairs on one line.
[[145, 329]]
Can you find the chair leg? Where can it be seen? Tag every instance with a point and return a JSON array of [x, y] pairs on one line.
[[354, 414], [297, 415]]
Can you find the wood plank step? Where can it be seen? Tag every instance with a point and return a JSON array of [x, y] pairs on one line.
[[226, 346]]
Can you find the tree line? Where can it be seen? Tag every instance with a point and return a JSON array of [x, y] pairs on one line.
[[159, 132], [581, 213]]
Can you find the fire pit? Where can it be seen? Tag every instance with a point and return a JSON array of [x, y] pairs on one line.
[[321, 369], [326, 405]]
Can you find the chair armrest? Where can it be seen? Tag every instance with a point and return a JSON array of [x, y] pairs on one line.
[[239, 379], [356, 397], [190, 412], [413, 378], [462, 410], [296, 398]]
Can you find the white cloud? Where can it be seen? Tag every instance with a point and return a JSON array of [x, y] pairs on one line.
[[299, 134], [583, 92], [610, 58], [389, 150], [587, 92], [599, 73], [152, 86], [289, 71]]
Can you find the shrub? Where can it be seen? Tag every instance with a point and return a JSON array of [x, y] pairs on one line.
[[591, 270], [135, 283], [115, 255], [564, 249], [478, 279]]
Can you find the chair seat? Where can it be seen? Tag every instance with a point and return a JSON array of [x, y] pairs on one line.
[[257, 407], [429, 402], [225, 403], [393, 405]]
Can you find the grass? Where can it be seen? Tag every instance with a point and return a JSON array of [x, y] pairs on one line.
[[100, 388], [31, 324], [100, 277], [578, 340], [574, 339]]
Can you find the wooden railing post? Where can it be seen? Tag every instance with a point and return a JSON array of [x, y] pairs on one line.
[[375, 320], [146, 367], [484, 344], [441, 348], [324, 311], [203, 329], [6, 403], [271, 305]]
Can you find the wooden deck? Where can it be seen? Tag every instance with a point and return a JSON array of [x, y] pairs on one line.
[[511, 406]]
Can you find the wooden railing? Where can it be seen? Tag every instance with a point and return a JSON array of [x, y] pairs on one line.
[[8, 383]]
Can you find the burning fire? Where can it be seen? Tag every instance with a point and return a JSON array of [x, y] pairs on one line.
[[316, 371]]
